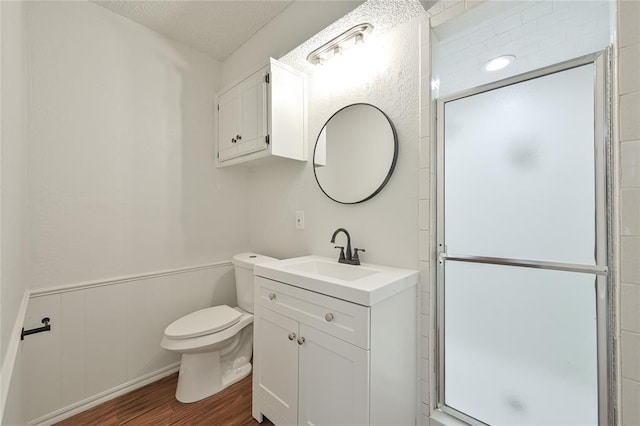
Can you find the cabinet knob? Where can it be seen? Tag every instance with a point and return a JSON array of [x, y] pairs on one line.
[[328, 317], [292, 336], [233, 140], [238, 137], [300, 340], [272, 296]]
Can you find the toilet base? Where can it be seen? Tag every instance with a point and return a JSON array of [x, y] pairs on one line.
[[200, 376], [212, 362]]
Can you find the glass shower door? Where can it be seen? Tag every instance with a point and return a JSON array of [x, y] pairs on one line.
[[522, 250]]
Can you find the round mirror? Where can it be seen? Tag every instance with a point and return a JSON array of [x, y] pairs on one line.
[[355, 153]]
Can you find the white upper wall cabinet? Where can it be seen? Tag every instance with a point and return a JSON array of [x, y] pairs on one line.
[[262, 116]]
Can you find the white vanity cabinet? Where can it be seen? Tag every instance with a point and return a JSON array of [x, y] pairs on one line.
[[320, 360], [262, 116]]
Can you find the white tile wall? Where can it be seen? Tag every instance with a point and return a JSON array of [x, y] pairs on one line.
[[630, 358], [629, 113], [424, 276], [424, 246], [630, 267], [630, 406], [630, 164], [425, 152], [630, 214], [630, 301], [424, 214], [424, 186], [538, 33], [629, 63], [628, 19]]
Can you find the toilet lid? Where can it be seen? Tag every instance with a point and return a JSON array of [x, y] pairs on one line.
[[204, 321]]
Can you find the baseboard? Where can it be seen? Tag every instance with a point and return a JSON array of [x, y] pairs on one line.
[[84, 405], [6, 373]]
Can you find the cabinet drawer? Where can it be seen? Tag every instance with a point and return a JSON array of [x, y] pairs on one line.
[[344, 320]]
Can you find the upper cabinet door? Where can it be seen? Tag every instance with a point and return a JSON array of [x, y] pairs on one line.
[[228, 123], [334, 381], [253, 118]]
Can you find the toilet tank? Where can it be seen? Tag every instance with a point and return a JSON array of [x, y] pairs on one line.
[[243, 264]]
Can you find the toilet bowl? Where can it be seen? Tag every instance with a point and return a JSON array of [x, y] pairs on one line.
[[216, 343]]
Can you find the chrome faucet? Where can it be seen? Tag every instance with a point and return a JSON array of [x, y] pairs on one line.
[[346, 256]]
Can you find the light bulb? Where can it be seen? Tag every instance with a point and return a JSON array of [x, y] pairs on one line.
[[499, 63]]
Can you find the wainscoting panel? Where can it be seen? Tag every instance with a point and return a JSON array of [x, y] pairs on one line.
[[73, 359], [41, 352], [106, 338], [107, 334]]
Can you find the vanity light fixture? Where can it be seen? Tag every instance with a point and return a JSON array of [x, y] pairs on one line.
[[498, 63], [340, 43]]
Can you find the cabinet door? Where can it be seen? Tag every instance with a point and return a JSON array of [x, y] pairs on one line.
[[253, 119], [275, 376], [333, 381], [228, 124]]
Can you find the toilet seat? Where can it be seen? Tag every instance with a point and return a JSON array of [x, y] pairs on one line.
[[206, 342], [203, 322]]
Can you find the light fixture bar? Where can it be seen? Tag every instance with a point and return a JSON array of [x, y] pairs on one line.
[[337, 44]]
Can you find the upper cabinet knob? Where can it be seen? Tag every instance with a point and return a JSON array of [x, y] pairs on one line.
[[233, 140], [328, 317], [238, 137], [292, 336], [272, 296], [301, 341]]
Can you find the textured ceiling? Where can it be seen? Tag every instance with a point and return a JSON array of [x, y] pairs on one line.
[[215, 27]]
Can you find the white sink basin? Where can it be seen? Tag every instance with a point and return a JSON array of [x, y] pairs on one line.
[[364, 284], [333, 269]]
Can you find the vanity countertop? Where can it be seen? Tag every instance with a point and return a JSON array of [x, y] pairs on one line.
[[365, 284]]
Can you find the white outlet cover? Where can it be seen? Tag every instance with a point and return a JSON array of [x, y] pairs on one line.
[[299, 220]]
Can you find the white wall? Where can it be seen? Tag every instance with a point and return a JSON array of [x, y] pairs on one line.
[[122, 177], [121, 183], [383, 73], [13, 285], [13, 151]]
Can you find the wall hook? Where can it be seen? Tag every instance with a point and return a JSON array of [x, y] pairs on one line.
[[46, 327]]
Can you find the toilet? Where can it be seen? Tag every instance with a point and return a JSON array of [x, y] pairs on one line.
[[216, 343]]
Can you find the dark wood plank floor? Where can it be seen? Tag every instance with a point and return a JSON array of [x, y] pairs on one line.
[[155, 404]]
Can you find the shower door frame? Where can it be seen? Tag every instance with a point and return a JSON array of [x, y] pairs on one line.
[[604, 285]]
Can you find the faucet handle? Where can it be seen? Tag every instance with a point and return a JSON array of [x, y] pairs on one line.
[[355, 254], [341, 252]]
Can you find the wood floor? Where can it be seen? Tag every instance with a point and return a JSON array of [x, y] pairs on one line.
[[155, 404]]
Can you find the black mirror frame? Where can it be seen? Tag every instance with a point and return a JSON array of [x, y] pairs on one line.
[[391, 168]]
